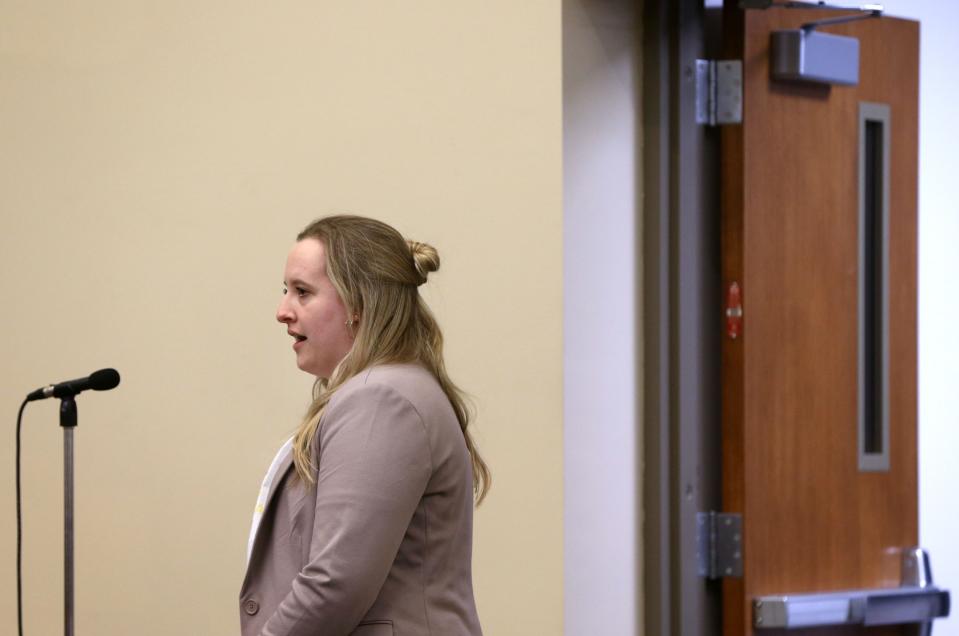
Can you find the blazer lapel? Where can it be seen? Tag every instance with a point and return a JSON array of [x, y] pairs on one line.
[[277, 478], [284, 467]]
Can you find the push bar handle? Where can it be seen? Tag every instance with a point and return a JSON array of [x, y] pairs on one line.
[[855, 607], [916, 600]]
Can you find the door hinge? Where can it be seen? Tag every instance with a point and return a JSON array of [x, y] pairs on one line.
[[719, 544], [719, 92]]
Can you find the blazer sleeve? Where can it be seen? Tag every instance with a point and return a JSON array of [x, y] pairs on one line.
[[373, 467]]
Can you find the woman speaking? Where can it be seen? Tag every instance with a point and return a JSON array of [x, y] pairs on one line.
[[364, 521]]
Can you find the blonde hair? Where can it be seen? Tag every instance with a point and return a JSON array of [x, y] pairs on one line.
[[376, 274]]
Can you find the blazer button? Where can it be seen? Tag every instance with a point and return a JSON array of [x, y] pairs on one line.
[[251, 607]]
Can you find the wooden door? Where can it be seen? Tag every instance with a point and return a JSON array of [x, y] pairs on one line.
[[814, 520]]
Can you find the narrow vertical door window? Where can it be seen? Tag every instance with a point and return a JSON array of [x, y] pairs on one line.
[[873, 404]]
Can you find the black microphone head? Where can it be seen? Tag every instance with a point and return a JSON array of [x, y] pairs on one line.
[[104, 379]]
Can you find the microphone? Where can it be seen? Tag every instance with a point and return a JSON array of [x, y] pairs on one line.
[[102, 380]]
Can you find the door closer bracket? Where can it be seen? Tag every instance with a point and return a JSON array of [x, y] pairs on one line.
[[808, 55], [807, 4], [719, 92], [719, 544]]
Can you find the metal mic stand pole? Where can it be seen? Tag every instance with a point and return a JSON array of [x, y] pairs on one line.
[[68, 422]]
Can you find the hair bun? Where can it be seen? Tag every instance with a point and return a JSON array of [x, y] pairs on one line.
[[425, 258]]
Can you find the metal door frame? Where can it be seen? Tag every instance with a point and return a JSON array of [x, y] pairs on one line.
[[682, 322]]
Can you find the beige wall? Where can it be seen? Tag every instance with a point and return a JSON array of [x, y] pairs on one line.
[[157, 160]]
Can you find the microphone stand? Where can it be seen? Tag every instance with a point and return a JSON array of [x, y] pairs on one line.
[[68, 422]]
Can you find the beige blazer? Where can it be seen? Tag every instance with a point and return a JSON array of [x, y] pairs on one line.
[[382, 546]]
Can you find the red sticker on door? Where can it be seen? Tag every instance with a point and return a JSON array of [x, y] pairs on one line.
[[734, 311]]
